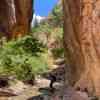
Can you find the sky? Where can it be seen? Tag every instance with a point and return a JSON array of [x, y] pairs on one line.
[[43, 7]]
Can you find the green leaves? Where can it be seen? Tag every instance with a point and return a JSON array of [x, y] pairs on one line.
[[57, 16], [23, 58]]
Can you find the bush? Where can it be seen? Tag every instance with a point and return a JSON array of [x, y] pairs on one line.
[[58, 52], [23, 58], [57, 16]]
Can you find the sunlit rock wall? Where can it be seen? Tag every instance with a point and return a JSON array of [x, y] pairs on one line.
[[82, 43]]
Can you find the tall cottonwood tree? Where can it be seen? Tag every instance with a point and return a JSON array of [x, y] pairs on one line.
[[15, 17], [82, 43]]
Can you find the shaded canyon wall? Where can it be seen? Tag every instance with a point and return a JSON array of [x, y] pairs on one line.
[[15, 17]]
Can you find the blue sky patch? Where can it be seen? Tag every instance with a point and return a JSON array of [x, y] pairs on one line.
[[43, 7]]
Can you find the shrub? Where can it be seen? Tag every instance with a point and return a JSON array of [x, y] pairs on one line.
[[23, 58], [58, 52]]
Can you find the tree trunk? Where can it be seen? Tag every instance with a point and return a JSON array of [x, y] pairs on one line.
[[82, 43], [23, 16], [15, 17]]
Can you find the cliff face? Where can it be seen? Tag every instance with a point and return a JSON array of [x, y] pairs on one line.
[[82, 43], [15, 17]]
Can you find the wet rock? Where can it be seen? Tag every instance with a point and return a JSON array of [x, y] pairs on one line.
[[4, 82], [70, 94], [94, 98]]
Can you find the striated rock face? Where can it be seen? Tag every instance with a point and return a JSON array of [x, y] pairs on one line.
[[15, 17], [4, 19], [82, 43]]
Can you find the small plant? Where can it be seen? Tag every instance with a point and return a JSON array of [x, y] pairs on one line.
[[58, 52]]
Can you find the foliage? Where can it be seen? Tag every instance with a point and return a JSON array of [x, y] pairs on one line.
[[58, 52], [54, 21], [43, 27], [52, 29], [57, 16], [23, 58]]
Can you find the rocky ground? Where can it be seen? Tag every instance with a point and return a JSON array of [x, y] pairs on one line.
[[41, 90], [20, 91]]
